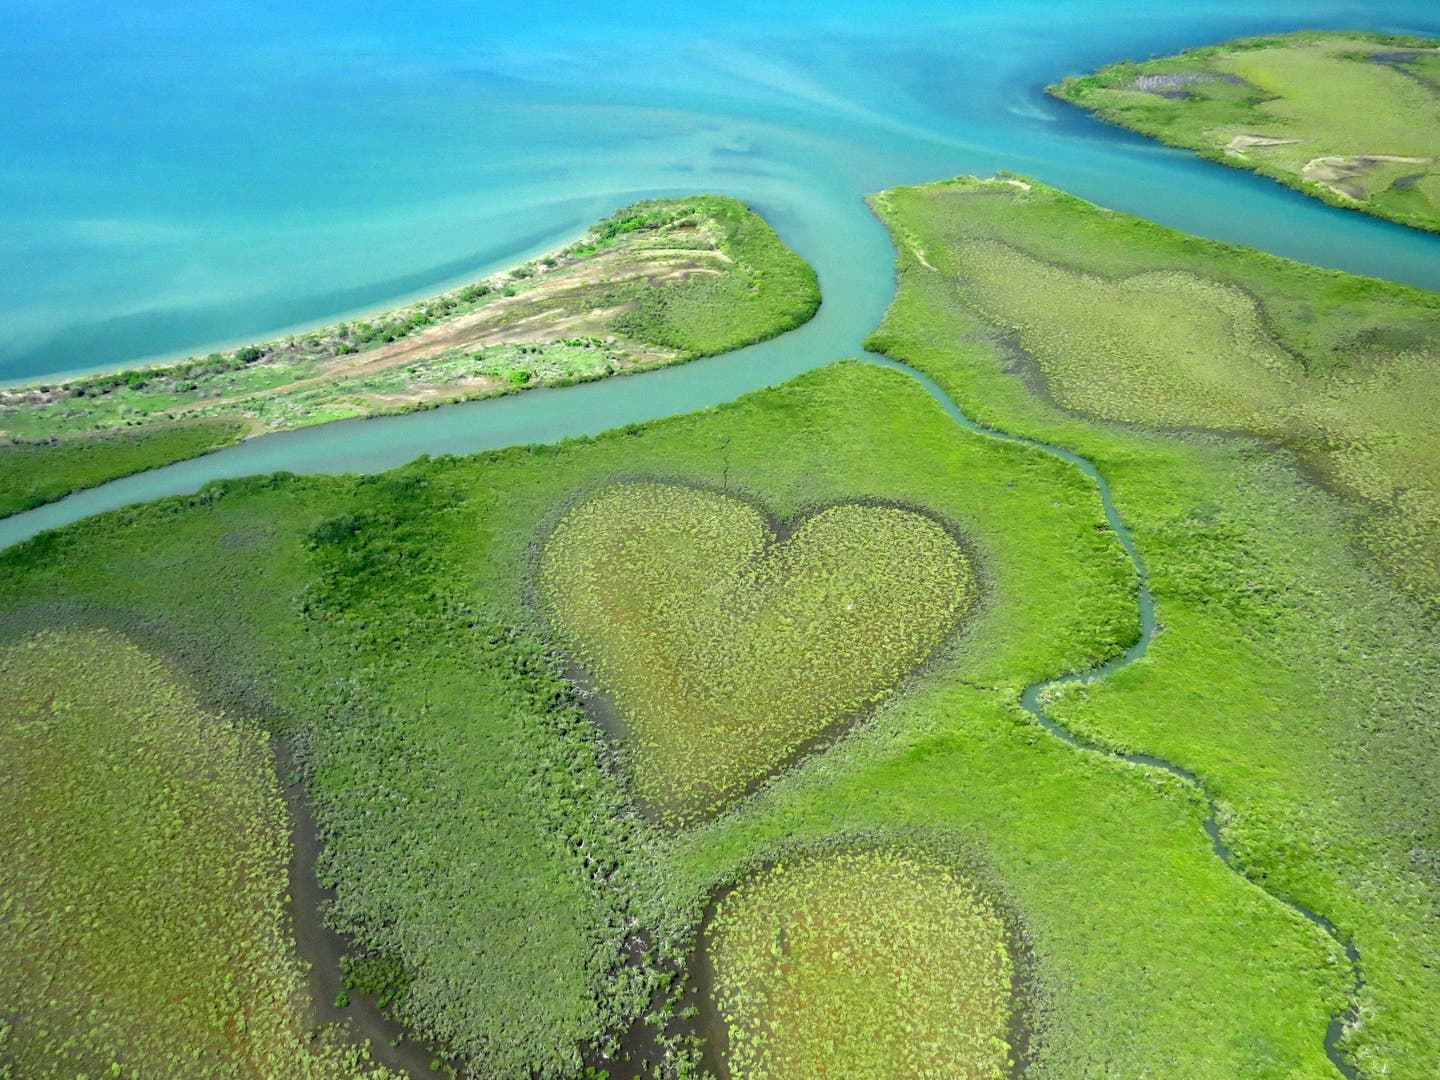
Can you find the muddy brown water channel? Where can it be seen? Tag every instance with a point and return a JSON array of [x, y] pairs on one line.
[[391, 1043]]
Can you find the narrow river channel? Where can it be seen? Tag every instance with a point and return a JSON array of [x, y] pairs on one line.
[[550, 415], [1032, 699]]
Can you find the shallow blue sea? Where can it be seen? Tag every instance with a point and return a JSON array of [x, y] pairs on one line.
[[178, 176]]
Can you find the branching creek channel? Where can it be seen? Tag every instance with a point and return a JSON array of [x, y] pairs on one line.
[[1032, 699], [322, 948]]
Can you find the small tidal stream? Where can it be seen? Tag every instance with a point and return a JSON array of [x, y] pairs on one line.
[[1032, 699]]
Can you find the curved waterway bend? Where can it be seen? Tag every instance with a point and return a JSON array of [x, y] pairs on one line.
[[1032, 699], [599, 406]]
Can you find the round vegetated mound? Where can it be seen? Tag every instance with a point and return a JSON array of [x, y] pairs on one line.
[[147, 844], [877, 963]]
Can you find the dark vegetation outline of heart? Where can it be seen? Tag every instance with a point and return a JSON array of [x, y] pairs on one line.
[[727, 646]]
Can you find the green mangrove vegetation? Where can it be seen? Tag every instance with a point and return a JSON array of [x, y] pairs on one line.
[[725, 651], [770, 661], [33, 473], [867, 965], [1120, 319], [480, 829], [1349, 117], [657, 283], [143, 929], [1265, 430]]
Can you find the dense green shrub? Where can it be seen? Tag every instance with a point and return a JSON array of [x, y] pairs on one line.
[[33, 473]]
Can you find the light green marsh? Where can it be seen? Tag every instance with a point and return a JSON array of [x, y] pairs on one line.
[[1349, 117], [1119, 319], [870, 965], [143, 929], [726, 649], [474, 833], [1289, 673]]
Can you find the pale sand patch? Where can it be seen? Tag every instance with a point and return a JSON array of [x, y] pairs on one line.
[[1360, 161], [1342, 174], [920, 254], [1240, 143], [491, 324], [473, 386]]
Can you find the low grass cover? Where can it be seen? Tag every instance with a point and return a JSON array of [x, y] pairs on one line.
[[763, 288], [1120, 319], [867, 965], [478, 831], [32, 473], [449, 376], [1287, 546], [1349, 117], [660, 282], [143, 929], [727, 650]]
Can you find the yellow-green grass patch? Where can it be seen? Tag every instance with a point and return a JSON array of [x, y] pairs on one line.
[[864, 965], [1119, 319], [727, 646], [1163, 347], [143, 929]]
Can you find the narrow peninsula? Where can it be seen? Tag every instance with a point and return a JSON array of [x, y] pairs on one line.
[[660, 282], [1127, 610]]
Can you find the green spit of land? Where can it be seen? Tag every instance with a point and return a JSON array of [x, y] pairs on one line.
[[657, 283], [1268, 432], [1349, 117]]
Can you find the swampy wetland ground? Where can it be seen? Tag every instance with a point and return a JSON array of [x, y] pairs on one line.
[[808, 957], [384, 628], [144, 898], [686, 608], [1291, 673]]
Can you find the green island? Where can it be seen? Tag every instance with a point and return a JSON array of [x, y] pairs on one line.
[[659, 282], [146, 844], [1349, 117]]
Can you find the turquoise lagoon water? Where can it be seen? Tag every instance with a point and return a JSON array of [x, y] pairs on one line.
[[177, 177]]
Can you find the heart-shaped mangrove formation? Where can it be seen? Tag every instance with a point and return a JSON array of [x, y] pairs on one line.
[[727, 648]]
